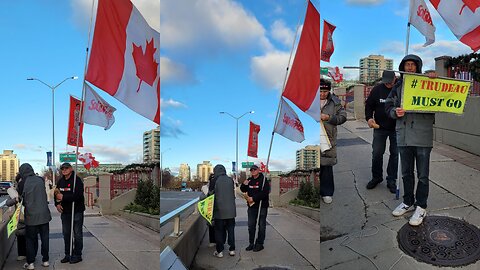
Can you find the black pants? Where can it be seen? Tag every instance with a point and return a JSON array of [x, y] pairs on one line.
[[222, 227], [31, 234], [252, 222], [380, 137], [77, 233], [327, 186], [21, 245], [211, 234]]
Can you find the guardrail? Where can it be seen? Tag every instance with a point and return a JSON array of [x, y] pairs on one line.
[[175, 214]]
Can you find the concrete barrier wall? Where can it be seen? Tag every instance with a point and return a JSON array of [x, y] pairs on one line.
[[5, 242], [149, 221], [461, 131], [108, 206], [312, 213]]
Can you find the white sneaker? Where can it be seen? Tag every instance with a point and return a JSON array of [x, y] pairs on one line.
[[211, 244], [21, 258], [45, 264], [401, 209], [29, 266], [232, 252], [418, 216], [218, 254], [327, 199]]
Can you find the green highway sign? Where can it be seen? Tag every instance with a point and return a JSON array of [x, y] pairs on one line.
[[247, 164], [68, 157]]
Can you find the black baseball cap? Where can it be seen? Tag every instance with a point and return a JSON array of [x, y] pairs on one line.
[[388, 76], [254, 167], [66, 165]]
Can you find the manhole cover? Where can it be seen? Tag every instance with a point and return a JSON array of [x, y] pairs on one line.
[[442, 241]]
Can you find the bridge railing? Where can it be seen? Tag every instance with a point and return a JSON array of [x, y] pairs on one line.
[[175, 215]]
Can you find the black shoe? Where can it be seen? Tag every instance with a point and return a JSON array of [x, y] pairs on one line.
[[250, 247], [65, 259], [75, 259], [373, 183], [392, 187], [257, 248]]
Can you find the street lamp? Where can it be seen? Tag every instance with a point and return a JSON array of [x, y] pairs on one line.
[[53, 117], [161, 169], [236, 158]]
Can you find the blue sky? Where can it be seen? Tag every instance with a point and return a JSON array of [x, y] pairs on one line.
[[231, 56], [47, 40]]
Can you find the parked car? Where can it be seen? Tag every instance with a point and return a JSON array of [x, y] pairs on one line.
[[4, 185]]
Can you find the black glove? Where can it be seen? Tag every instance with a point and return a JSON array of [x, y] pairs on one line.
[[11, 202]]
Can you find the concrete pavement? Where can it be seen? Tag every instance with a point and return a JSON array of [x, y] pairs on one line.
[[110, 242], [292, 241], [358, 230]]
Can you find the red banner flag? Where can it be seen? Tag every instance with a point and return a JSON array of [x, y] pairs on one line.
[[74, 123], [327, 41], [253, 140]]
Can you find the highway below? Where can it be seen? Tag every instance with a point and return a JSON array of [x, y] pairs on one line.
[[171, 200]]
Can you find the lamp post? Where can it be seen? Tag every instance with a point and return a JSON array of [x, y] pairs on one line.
[[54, 174], [236, 152], [161, 168]]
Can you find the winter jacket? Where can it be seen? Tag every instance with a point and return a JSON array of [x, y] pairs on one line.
[[66, 188], [34, 197], [224, 205], [375, 107], [338, 116], [254, 190]]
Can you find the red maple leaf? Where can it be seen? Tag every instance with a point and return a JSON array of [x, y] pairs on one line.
[[145, 63], [471, 4]]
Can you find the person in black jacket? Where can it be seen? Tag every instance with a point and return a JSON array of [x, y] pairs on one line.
[[253, 187], [63, 201], [384, 127]]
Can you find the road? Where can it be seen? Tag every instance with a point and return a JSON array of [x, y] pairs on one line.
[[171, 200]]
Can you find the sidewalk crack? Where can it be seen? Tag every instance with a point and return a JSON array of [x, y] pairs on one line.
[[365, 206]]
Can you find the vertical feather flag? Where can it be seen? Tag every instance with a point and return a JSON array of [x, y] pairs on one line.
[[327, 41], [253, 140], [74, 123]]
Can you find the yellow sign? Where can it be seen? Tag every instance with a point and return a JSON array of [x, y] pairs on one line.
[[205, 207], [12, 224], [422, 94]]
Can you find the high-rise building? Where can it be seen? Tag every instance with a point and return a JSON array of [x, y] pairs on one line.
[[371, 67], [151, 145], [204, 170], [308, 157], [184, 172], [8, 165]]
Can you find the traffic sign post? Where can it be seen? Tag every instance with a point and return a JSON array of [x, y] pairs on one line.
[[247, 165]]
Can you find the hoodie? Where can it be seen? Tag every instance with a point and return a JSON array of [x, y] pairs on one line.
[[224, 206], [34, 196]]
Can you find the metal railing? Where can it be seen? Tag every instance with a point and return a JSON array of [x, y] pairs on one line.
[[175, 215]]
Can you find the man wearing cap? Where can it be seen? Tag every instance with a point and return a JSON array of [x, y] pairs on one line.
[[384, 127], [257, 188], [64, 198], [332, 115]]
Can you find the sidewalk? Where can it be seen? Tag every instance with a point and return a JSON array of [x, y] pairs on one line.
[[292, 241], [358, 230], [109, 242]]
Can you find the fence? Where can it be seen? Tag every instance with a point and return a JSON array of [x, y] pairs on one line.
[[292, 180], [462, 72], [120, 183]]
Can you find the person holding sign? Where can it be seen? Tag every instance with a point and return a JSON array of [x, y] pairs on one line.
[[415, 142], [224, 211], [384, 128]]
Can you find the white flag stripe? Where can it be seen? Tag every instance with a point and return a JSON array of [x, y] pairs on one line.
[[288, 125], [422, 20], [314, 109], [96, 111]]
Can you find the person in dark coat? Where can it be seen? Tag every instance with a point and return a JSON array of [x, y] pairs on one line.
[[384, 128], [224, 211], [332, 115], [257, 188], [211, 228]]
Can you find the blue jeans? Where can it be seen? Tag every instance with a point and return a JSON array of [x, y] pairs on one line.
[[252, 222], [77, 233], [222, 228], [409, 155], [31, 237], [378, 149]]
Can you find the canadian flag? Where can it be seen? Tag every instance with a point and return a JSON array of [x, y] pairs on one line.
[[88, 160], [421, 19], [96, 111], [288, 125], [463, 19], [335, 74], [125, 57], [303, 82]]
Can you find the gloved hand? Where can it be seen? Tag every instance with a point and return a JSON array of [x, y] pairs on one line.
[[11, 202]]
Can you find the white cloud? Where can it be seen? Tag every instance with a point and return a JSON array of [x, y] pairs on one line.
[[170, 128], [171, 103], [269, 70], [350, 74], [171, 71], [365, 2], [282, 33], [108, 154]]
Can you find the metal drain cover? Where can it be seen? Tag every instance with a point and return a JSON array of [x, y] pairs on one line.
[[442, 241]]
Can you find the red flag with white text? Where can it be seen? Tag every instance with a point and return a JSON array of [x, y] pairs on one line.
[[253, 140], [463, 19], [327, 41], [125, 57], [303, 82], [74, 123]]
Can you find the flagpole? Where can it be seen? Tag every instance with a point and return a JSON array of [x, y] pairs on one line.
[[408, 28], [78, 127]]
